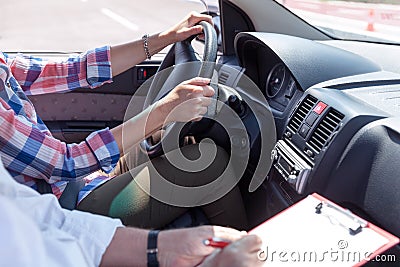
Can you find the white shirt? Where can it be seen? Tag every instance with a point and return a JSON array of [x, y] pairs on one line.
[[36, 231]]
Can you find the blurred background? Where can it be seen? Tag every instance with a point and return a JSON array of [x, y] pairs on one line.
[[77, 25]]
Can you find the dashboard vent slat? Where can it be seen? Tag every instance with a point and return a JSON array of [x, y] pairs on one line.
[[223, 78], [325, 129], [301, 113]]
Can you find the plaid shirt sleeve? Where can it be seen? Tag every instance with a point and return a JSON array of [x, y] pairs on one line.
[[28, 151], [42, 76]]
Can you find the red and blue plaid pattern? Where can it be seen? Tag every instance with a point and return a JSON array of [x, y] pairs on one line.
[[42, 76], [28, 149]]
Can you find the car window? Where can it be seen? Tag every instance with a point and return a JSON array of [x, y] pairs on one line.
[[368, 20], [78, 25]]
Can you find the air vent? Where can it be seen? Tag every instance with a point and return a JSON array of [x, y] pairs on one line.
[[223, 78], [325, 129], [301, 112]]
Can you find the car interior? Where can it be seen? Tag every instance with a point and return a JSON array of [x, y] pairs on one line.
[[335, 106]]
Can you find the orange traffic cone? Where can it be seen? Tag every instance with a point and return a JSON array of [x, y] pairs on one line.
[[371, 19]]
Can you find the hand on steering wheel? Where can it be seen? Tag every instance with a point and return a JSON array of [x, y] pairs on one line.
[[188, 27], [173, 89], [188, 101]]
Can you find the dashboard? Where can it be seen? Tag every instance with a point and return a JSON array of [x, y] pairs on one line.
[[337, 121]]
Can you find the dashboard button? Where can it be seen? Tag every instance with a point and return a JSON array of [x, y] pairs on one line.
[[311, 118], [304, 130], [320, 107]]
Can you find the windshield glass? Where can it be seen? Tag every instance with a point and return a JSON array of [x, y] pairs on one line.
[[78, 25], [368, 20]]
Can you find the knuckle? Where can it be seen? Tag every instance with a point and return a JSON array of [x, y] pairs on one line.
[[258, 240], [178, 87], [195, 102]]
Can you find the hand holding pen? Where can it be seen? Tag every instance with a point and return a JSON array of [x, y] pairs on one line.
[[216, 242], [239, 253]]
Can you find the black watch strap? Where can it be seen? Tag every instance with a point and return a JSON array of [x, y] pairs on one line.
[[152, 249]]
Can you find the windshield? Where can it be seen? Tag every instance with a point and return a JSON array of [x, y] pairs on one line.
[[367, 20], [78, 25]]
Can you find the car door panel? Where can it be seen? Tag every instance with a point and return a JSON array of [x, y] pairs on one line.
[[72, 116]]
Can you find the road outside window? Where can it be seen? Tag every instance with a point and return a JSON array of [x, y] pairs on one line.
[[77, 25], [370, 20]]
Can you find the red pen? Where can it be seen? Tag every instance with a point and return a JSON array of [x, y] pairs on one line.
[[216, 242]]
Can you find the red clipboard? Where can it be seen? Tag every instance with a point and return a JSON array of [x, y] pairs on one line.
[[314, 228]]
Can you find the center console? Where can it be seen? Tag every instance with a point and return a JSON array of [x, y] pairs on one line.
[[343, 144], [311, 128], [315, 136]]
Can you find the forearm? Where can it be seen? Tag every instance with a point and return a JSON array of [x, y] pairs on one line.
[[136, 129], [130, 54], [127, 55], [127, 248], [54, 160]]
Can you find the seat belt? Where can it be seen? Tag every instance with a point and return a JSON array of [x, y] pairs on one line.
[[69, 197]]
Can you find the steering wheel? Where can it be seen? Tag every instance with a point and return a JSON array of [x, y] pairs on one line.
[[168, 78]]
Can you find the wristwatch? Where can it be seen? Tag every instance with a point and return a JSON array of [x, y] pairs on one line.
[[152, 249]]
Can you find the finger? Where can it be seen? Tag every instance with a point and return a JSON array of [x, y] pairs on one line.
[[189, 91], [194, 30], [227, 233], [204, 17], [208, 91], [196, 17], [200, 81], [250, 243], [201, 37], [208, 19]]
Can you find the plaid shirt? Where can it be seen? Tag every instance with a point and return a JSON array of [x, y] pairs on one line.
[[28, 149]]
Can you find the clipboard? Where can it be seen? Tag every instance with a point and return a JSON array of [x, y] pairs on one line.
[[317, 232]]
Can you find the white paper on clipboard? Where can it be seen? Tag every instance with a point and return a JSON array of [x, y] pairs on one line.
[[298, 236]]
